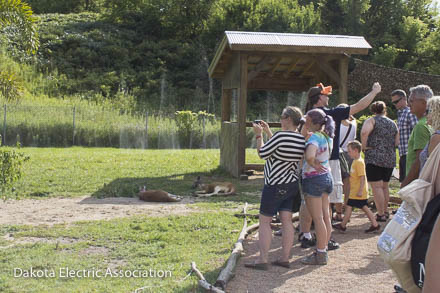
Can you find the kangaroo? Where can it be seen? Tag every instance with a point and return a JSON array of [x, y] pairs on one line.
[[157, 195], [215, 188]]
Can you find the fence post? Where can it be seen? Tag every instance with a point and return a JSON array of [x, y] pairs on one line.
[[73, 138], [146, 130], [204, 135], [4, 126]]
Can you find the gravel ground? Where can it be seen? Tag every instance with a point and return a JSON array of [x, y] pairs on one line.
[[355, 267]]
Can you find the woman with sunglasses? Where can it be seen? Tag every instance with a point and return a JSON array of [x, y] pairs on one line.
[[283, 152]]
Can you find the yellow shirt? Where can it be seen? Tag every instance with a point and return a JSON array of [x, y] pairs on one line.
[[356, 172]]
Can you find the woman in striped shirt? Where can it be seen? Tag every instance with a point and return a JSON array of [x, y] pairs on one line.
[[283, 151]]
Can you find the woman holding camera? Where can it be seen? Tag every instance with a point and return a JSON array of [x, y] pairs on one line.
[[283, 152]]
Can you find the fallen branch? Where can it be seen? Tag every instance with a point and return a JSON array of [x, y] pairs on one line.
[[226, 274], [202, 281]]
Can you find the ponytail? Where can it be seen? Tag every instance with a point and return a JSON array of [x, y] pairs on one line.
[[329, 127]]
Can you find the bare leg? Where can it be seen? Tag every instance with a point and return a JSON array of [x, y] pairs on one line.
[[386, 195], [370, 215], [346, 189], [315, 207], [287, 236], [305, 219], [326, 216], [347, 216], [377, 187], [264, 238]]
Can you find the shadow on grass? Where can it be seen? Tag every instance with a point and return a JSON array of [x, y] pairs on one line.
[[181, 184]]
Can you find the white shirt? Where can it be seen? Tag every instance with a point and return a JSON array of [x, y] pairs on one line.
[[351, 135]]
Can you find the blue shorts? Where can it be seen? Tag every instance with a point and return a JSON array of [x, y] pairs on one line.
[[317, 185], [279, 197]]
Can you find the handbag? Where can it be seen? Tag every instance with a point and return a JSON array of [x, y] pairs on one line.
[[394, 243]]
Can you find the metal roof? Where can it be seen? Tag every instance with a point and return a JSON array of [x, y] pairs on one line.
[[302, 40]]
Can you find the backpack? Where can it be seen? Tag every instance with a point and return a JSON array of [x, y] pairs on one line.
[[421, 240], [394, 243]]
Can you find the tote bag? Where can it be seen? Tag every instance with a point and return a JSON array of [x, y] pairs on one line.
[[394, 243]]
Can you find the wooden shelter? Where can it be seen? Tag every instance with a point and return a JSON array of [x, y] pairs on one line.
[[277, 62]]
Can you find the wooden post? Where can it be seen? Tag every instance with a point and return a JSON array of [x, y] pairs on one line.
[[343, 73], [146, 130], [241, 156], [73, 137], [226, 104], [4, 126]]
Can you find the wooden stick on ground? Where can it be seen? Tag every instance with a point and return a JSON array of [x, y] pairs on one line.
[[202, 282], [227, 273]]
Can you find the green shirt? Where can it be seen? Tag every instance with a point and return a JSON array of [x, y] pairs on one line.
[[420, 136]]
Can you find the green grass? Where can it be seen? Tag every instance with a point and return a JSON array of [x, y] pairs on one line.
[[106, 172], [137, 243]]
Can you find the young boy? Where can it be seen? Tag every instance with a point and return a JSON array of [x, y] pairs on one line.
[[358, 189]]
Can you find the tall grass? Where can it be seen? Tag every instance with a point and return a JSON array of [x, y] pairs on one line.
[[63, 123]]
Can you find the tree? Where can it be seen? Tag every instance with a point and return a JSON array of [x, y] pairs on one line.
[[17, 14]]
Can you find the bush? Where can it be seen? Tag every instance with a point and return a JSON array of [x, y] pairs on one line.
[[11, 162]]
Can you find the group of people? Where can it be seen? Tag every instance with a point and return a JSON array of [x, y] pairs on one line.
[[316, 159]]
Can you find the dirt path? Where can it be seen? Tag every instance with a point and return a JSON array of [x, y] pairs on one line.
[[67, 210], [355, 267]]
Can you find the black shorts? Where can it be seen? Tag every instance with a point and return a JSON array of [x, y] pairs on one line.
[[376, 173], [280, 197], [357, 203]]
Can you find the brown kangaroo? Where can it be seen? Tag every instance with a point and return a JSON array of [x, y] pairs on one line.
[[214, 188], [157, 196]]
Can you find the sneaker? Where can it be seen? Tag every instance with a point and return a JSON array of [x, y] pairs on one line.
[[373, 229], [339, 227], [278, 233], [316, 258], [307, 243], [332, 245]]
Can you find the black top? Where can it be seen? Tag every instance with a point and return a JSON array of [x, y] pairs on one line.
[[338, 114]]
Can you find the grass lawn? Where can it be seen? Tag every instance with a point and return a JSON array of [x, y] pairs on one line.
[[106, 256]]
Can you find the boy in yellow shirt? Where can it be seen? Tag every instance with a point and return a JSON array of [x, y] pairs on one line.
[[358, 189]]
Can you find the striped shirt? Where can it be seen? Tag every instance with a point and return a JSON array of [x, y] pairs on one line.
[[282, 152], [405, 122]]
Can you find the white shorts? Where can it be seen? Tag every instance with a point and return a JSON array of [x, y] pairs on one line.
[[336, 195]]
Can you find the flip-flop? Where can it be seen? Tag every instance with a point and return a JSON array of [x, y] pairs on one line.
[[284, 264], [257, 266]]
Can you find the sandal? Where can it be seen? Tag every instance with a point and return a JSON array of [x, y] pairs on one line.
[[380, 218], [257, 266], [387, 215], [338, 217], [284, 264]]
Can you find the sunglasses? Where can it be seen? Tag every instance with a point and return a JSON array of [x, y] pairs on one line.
[[396, 101]]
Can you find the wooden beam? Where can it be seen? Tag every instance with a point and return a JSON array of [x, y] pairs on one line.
[[291, 67], [307, 68], [256, 167], [226, 104], [242, 103], [343, 87], [324, 66], [278, 83], [260, 65], [275, 66]]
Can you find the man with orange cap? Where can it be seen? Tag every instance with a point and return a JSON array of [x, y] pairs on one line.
[[318, 97]]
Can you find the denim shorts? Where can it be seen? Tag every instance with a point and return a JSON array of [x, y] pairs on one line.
[[317, 185], [279, 197]]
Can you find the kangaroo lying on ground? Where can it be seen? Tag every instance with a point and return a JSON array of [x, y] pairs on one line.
[[157, 196], [215, 188]]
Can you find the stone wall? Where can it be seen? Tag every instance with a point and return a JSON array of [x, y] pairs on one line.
[[365, 74]]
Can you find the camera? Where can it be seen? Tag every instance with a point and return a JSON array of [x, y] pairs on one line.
[[257, 121]]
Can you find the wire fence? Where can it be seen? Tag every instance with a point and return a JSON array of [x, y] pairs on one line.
[[65, 126]]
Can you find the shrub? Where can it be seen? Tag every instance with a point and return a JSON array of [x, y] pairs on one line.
[[11, 162]]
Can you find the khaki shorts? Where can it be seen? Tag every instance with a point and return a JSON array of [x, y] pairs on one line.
[[336, 195]]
